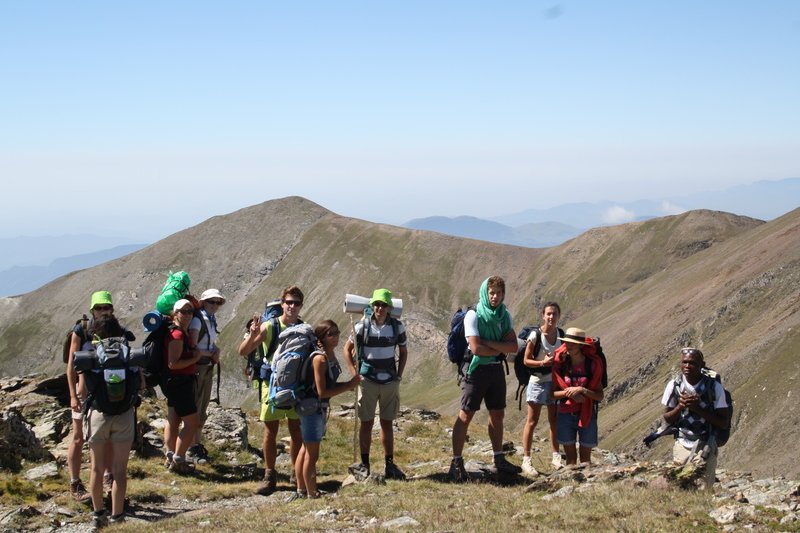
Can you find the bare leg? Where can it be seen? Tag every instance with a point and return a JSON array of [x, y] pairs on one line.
[[572, 454], [186, 434], [365, 436], [98, 454], [269, 444], [121, 452], [297, 438], [460, 431], [387, 437], [534, 409], [552, 419], [496, 428]]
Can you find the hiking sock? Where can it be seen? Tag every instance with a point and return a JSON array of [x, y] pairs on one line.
[[365, 459], [457, 457]]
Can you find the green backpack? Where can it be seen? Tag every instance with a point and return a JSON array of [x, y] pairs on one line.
[[176, 287]]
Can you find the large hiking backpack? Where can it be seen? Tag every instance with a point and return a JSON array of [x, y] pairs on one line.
[[457, 345], [83, 322], [112, 382], [176, 287], [598, 349], [290, 366], [522, 371], [381, 371], [154, 346], [709, 397], [258, 368]]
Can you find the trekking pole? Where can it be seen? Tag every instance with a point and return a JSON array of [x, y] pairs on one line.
[[355, 405]]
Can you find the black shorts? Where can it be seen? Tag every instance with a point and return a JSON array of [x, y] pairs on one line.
[[487, 383], [179, 391]]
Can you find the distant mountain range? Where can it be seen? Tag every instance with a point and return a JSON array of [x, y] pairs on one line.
[[763, 200], [21, 279]]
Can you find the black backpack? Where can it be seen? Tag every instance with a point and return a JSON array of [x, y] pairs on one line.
[[156, 372], [709, 397], [113, 385], [83, 333], [522, 371], [457, 345]]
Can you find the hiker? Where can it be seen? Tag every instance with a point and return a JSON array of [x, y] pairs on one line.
[[110, 436], [577, 386], [179, 388], [540, 385], [490, 334], [204, 332], [262, 333], [101, 305], [321, 386], [376, 338], [691, 410]]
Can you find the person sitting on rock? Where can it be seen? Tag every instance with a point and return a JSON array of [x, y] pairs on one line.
[[695, 411]]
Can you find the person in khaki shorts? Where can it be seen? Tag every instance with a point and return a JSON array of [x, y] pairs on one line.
[[376, 338]]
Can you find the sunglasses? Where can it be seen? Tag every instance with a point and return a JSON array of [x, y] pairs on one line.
[[691, 351], [103, 308], [186, 311], [215, 302], [296, 303], [379, 304]]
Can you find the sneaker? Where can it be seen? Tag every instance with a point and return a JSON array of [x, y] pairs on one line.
[[556, 462], [78, 491], [527, 467], [100, 519], [392, 472], [198, 453], [181, 467], [457, 473], [269, 484], [502, 465], [117, 518]]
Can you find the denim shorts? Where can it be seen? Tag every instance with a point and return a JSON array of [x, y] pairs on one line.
[[313, 426], [567, 429], [539, 392]]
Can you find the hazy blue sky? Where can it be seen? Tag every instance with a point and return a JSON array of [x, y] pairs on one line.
[[161, 114]]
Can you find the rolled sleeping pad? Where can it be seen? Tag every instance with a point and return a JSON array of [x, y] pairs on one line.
[[152, 320], [354, 303]]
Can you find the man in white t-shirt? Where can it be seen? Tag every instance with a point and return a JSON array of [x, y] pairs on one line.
[[695, 404]]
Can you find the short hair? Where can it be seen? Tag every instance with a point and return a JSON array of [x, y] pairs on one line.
[[496, 282], [293, 290], [551, 304]]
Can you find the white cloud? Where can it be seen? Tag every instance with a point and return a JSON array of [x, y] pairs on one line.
[[669, 208], [618, 215]]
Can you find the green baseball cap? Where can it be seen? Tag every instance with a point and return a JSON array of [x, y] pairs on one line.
[[101, 298], [381, 295]]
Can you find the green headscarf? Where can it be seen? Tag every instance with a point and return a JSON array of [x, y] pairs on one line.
[[493, 324]]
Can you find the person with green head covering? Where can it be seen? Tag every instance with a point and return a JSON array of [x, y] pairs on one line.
[[490, 334]]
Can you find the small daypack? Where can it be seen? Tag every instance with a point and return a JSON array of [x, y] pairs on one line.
[[290, 366], [176, 287], [709, 397], [113, 385], [154, 346], [524, 372], [457, 345], [83, 333]]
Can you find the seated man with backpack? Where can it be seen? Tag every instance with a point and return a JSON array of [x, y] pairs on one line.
[[696, 404], [263, 332]]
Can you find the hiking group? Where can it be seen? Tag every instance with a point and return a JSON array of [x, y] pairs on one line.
[[295, 370]]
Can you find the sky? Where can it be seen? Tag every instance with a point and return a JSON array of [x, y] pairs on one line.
[[159, 115]]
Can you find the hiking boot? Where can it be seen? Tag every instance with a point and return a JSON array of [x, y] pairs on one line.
[[556, 462], [457, 473], [181, 467], [527, 467], [502, 465], [269, 484], [100, 519], [360, 471], [78, 491], [168, 459], [199, 454], [392, 472]]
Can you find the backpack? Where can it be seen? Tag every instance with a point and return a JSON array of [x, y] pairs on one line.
[[381, 372], [457, 344], [154, 346], [257, 368], [709, 397], [83, 333], [522, 371], [598, 349], [176, 287], [113, 384], [287, 384]]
